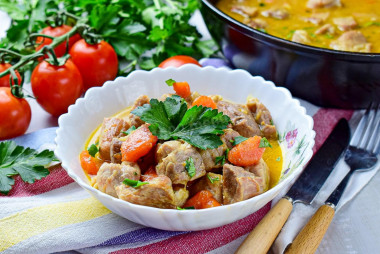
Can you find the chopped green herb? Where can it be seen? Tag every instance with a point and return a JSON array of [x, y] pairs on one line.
[[170, 82], [26, 162], [290, 34], [262, 30], [135, 173], [222, 159], [134, 183], [186, 208], [170, 119], [212, 180], [271, 122], [371, 23], [312, 35], [278, 158], [92, 150], [264, 143], [329, 36], [129, 131], [261, 4], [238, 140], [190, 167]]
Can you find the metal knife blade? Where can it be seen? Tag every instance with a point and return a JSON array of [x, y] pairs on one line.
[[316, 172]]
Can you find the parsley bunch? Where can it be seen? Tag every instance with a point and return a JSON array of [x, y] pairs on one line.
[[26, 162], [170, 119]]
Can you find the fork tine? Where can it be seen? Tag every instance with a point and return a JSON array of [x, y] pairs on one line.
[[361, 129], [374, 143], [364, 143]]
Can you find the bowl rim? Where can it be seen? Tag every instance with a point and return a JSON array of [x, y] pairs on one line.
[[274, 40], [189, 67]]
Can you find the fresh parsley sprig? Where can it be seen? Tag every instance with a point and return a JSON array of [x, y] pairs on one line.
[[26, 162], [190, 167], [212, 179], [129, 131], [170, 119], [237, 140], [93, 150], [134, 183], [264, 143]]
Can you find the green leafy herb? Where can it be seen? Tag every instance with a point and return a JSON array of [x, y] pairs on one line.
[[329, 36], [186, 208], [264, 143], [271, 122], [134, 183], [92, 150], [371, 23], [262, 30], [278, 158], [170, 82], [199, 126], [212, 180], [135, 173], [222, 159], [26, 162], [190, 167], [129, 131], [238, 140], [262, 4]]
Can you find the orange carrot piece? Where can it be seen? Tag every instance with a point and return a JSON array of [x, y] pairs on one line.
[[138, 144], [202, 200], [88, 163], [149, 175], [182, 89], [246, 153], [205, 101]]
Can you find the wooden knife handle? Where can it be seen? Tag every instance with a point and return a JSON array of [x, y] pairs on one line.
[[264, 234], [308, 240]]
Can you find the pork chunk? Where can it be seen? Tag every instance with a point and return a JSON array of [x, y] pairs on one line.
[[238, 184], [157, 193], [228, 137], [209, 156], [301, 36], [133, 119], [257, 23], [242, 120], [314, 4], [215, 186], [277, 13], [261, 172], [111, 175], [111, 128], [247, 11], [172, 156], [263, 117], [326, 29], [352, 41], [318, 18], [345, 24], [115, 150]]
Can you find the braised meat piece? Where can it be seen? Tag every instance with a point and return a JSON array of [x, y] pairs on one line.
[[263, 117], [257, 23], [246, 11], [157, 193], [111, 175], [318, 18], [115, 152], [301, 36], [261, 172], [279, 13], [209, 156], [215, 186], [133, 119], [242, 120], [352, 41], [228, 137], [325, 29], [172, 156], [314, 4], [111, 128], [345, 24], [238, 184]]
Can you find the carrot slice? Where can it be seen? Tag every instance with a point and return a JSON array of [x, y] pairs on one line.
[[182, 89], [149, 174], [202, 200], [89, 164], [205, 101], [138, 144], [246, 153]]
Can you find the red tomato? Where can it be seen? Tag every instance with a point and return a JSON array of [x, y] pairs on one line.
[[97, 63], [15, 114], [4, 81], [56, 87], [177, 61], [60, 50]]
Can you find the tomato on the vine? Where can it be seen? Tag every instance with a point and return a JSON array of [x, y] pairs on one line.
[[97, 63], [15, 114], [177, 61], [4, 81], [56, 87], [57, 31]]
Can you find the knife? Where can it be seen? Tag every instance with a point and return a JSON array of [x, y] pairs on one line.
[[304, 190]]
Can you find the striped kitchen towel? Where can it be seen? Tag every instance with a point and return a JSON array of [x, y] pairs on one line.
[[56, 215]]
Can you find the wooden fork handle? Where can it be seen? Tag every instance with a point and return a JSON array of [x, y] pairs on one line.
[[308, 240], [264, 234]]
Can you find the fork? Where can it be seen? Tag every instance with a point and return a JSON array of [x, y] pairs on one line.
[[361, 155]]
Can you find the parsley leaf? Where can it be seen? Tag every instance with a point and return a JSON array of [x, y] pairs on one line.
[[212, 180], [264, 143], [199, 126], [170, 82], [238, 140], [134, 183], [190, 167], [92, 150], [222, 159], [278, 158], [26, 162], [127, 132], [186, 208]]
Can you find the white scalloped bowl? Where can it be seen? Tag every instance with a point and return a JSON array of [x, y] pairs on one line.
[[294, 126]]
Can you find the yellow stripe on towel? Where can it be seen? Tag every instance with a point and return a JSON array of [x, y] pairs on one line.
[[34, 221]]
